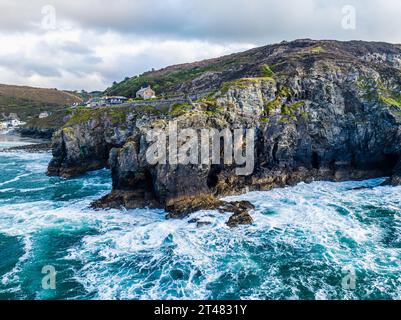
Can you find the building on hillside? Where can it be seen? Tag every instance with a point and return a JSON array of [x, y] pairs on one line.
[[15, 123], [44, 115], [93, 103], [146, 93], [9, 124], [105, 101], [112, 101]]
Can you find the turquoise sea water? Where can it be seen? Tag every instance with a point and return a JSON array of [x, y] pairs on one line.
[[303, 241]]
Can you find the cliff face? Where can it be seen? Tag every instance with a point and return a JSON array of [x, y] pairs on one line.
[[85, 141], [44, 128], [320, 110]]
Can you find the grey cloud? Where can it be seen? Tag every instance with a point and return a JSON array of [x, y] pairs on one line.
[[25, 67], [76, 48], [226, 22], [257, 21], [36, 68]]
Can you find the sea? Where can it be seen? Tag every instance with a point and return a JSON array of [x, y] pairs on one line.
[[317, 241]]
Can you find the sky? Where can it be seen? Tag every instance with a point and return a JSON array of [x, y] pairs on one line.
[[88, 44]]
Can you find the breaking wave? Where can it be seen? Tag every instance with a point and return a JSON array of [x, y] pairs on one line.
[[302, 242]]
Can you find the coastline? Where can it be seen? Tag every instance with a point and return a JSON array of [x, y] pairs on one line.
[[17, 142]]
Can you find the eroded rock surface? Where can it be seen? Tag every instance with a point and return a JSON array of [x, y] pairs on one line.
[[326, 111]]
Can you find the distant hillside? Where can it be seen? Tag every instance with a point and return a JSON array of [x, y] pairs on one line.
[[28, 102], [208, 75]]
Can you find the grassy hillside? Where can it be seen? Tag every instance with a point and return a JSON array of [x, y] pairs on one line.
[[54, 121], [208, 75], [28, 102], [174, 80]]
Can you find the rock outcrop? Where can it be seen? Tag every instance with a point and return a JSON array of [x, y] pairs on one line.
[[319, 110], [84, 143]]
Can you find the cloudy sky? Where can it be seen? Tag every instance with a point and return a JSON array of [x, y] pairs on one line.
[[88, 44]]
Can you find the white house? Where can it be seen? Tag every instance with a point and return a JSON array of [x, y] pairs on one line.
[[105, 101], [146, 93], [114, 100], [10, 124], [44, 115]]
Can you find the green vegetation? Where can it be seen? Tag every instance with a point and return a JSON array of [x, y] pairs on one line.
[[85, 96], [25, 109], [162, 82], [391, 101], [180, 109], [376, 90], [150, 110], [267, 71], [167, 81], [115, 114], [372, 88], [242, 83], [272, 105], [212, 108], [54, 121], [317, 50], [29, 102], [283, 92], [289, 111]]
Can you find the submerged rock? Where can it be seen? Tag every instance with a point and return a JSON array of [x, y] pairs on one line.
[[240, 218], [119, 199], [240, 211], [33, 148]]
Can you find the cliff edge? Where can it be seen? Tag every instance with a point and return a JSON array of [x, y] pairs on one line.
[[316, 110]]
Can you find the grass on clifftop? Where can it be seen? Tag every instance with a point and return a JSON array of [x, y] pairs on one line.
[[242, 83], [54, 121], [114, 114], [161, 83], [267, 71], [391, 101], [179, 109]]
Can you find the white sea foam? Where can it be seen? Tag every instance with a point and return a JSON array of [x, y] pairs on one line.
[[302, 237], [125, 237]]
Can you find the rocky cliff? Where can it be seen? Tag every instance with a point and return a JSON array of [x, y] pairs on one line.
[[319, 109]]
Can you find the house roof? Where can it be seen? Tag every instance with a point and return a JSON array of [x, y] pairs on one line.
[[144, 89], [119, 97], [113, 97]]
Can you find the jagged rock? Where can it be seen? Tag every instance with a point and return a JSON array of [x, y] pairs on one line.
[[85, 142], [395, 179], [126, 199], [240, 210], [240, 218], [34, 132], [33, 148], [183, 206], [329, 111], [201, 224]]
